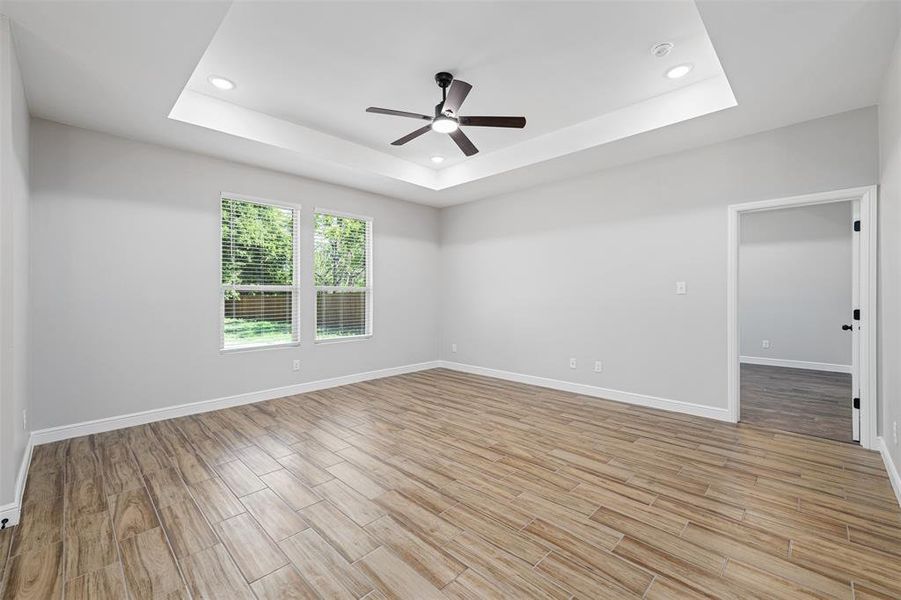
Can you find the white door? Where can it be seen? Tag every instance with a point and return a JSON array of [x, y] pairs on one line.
[[854, 320]]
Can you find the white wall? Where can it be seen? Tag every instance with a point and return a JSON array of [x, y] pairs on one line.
[[14, 122], [586, 268], [125, 280], [795, 284], [890, 255]]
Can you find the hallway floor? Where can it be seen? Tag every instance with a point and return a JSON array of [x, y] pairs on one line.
[[816, 403]]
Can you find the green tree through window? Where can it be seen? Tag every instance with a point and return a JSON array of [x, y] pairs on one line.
[[341, 276], [258, 278], [340, 256], [257, 244]]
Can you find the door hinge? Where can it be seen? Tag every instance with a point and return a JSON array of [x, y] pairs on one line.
[[856, 225], [856, 402], [857, 314]]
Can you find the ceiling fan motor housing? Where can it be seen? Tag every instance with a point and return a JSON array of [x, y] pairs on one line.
[[443, 79]]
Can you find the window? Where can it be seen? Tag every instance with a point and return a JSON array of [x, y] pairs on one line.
[[259, 274], [342, 274]]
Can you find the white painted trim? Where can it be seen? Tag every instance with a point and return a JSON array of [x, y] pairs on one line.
[[340, 213], [868, 280], [292, 206], [679, 406], [12, 510], [893, 474], [845, 195], [869, 348], [794, 364], [64, 432]]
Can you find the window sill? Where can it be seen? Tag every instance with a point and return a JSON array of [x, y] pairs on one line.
[[238, 349], [338, 340]]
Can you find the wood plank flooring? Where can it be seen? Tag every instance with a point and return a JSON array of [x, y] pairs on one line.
[[445, 485], [816, 403]]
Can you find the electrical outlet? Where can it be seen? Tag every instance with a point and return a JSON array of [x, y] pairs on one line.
[[895, 432], [572, 363], [453, 347], [25, 420], [680, 288], [598, 366], [296, 365], [765, 344]]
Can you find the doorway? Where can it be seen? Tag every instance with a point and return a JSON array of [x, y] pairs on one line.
[[801, 295]]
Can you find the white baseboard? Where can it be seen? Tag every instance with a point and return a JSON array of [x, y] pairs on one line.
[[893, 474], [12, 510], [63, 432], [794, 364], [698, 410]]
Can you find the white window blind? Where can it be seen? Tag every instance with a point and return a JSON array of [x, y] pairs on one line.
[[342, 274], [259, 274]]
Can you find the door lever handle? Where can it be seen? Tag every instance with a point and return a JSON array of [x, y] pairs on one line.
[[847, 327]]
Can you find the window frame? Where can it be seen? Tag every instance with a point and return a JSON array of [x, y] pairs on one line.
[[367, 290], [294, 288]]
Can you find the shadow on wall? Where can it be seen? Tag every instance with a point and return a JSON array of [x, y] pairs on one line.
[[99, 168], [808, 157]]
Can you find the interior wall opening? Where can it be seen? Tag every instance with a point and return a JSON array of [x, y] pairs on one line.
[[797, 291]]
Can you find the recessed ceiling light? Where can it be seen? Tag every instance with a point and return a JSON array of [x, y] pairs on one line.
[[221, 82], [679, 71], [662, 49], [437, 159]]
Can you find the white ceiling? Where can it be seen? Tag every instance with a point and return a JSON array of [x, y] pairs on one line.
[[581, 72], [557, 63]]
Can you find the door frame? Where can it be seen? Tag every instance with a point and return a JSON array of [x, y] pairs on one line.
[[867, 302]]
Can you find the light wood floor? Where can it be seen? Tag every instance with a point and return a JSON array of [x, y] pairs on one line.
[[444, 485], [800, 400]]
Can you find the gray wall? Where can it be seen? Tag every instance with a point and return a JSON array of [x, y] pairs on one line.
[[586, 268], [795, 283], [890, 255], [583, 268], [125, 280], [14, 123]]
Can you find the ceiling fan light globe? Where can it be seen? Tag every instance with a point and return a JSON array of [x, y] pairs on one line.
[[444, 125]]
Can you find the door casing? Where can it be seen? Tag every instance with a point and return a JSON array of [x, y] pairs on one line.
[[865, 333]]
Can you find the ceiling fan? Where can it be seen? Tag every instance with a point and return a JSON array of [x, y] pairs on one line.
[[447, 118]]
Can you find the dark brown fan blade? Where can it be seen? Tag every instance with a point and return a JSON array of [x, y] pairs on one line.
[[456, 94], [517, 122], [397, 113], [411, 136], [463, 142]]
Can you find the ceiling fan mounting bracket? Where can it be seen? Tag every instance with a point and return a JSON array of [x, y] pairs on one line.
[[443, 79]]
